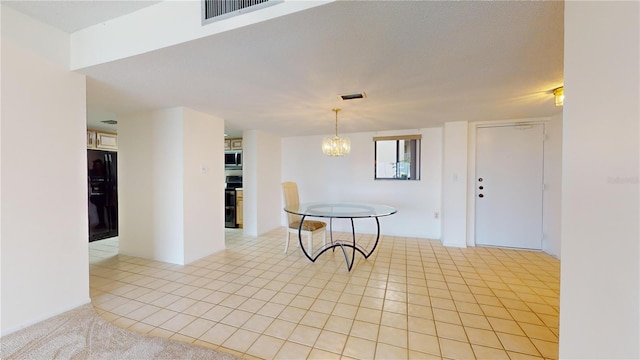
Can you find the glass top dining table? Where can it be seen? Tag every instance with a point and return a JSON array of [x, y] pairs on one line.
[[341, 210]]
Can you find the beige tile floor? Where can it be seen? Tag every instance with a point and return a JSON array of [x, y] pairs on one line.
[[413, 298]]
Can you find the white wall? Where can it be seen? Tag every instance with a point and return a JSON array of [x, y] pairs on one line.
[[203, 153], [171, 185], [552, 201], [454, 184], [321, 178], [269, 168], [44, 238], [350, 178], [41, 39], [599, 287], [261, 182], [150, 183]]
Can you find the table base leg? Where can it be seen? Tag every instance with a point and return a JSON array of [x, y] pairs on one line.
[[354, 246]]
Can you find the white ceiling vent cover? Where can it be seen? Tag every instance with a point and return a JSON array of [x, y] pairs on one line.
[[214, 10]]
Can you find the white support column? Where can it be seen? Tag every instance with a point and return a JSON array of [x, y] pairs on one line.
[[203, 179], [263, 197], [44, 175], [171, 181], [454, 184], [600, 274]]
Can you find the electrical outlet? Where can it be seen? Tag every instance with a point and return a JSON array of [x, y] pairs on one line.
[[436, 215]]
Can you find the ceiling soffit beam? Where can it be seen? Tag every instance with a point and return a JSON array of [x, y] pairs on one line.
[[163, 26]]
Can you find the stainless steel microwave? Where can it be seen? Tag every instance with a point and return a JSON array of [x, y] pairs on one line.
[[233, 159]]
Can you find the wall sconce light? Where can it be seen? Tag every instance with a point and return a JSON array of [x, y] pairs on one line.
[[558, 93]]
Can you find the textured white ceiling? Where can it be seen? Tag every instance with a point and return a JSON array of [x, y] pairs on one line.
[[73, 15], [421, 64]]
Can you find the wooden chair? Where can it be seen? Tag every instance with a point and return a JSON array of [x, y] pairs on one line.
[[309, 227]]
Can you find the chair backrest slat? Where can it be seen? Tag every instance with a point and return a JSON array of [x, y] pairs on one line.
[[290, 192]]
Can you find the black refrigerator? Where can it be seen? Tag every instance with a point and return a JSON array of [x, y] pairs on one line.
[[103, 194]]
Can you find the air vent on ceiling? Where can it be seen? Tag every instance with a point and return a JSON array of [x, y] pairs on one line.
[[213, 10], [110, 122], [361, 95]]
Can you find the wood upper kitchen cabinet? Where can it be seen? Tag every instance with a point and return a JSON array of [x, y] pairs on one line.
[[102, 140], [236, 144], [232, 144], [91, 139], [107, 141]]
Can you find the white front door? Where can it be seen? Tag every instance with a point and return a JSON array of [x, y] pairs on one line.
[[509, 186]]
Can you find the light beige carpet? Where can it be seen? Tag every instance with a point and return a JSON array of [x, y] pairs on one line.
[[83, 334]]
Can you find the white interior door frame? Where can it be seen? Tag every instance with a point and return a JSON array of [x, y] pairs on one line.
[[471, 167]]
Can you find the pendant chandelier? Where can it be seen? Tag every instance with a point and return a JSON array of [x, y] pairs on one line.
[[335, 145]]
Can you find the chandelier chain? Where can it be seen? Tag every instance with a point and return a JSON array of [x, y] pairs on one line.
[[336, 111]]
